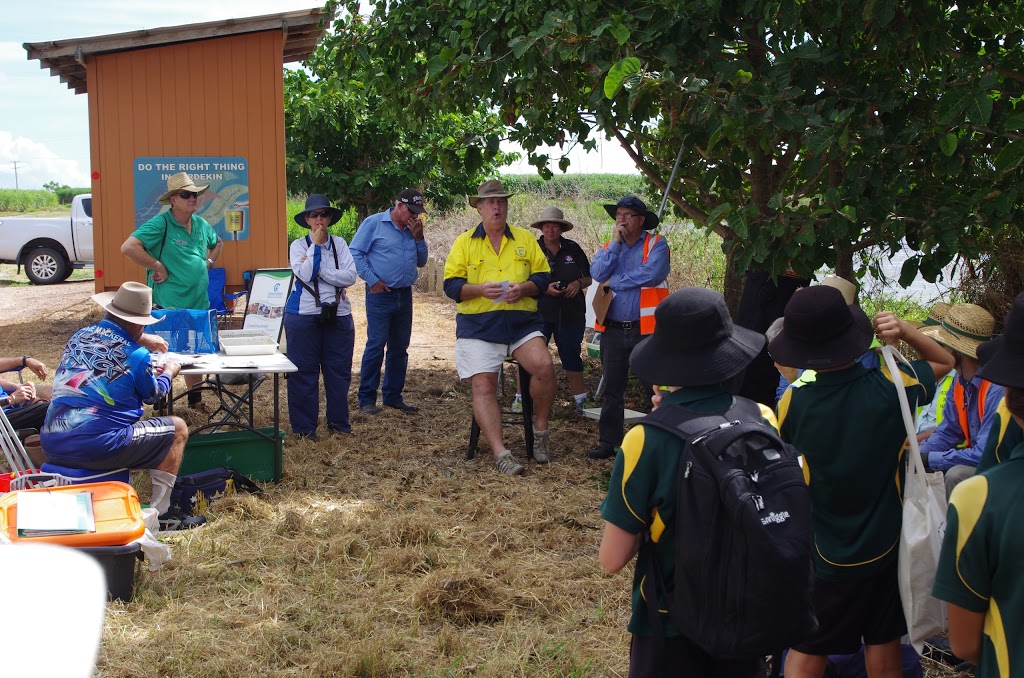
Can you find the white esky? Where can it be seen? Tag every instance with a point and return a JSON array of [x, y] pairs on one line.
[[45, 126]]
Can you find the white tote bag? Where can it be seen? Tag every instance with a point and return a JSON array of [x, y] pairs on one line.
[[924, 525]]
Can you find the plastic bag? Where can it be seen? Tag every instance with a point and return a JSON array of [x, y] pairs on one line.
[[186, 330], [924, 525]]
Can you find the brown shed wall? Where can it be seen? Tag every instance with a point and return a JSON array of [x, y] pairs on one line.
[[214, 97]]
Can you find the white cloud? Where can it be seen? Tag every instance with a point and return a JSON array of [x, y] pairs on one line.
[[37, 164]]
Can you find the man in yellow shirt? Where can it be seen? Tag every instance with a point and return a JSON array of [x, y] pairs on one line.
[[496, 272]]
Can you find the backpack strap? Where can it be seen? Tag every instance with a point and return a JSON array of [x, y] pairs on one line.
[[315, 290]]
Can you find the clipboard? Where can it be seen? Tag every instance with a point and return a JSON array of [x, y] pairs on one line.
[[602, 300]]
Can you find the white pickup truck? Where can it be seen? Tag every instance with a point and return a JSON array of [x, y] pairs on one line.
[[49, 248]]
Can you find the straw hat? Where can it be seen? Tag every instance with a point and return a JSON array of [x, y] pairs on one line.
[[695, 342], [963, 329], [845, 287], [132, 302], [180, 182], [553, 215], [491, 188]]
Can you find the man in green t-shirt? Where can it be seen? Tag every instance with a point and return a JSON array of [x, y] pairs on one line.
[[177, 248], [848, 426], [979, 566]]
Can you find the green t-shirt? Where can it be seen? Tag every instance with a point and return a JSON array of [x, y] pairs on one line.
[[184, 255], [979, 568], [848, 426], [1005, 435], [642, 493]]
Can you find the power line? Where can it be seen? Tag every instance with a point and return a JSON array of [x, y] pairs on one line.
[[16, 163]]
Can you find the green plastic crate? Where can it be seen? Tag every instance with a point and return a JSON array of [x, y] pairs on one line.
[[245, 451]]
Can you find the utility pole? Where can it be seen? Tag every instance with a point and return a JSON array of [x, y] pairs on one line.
[[16, 163]]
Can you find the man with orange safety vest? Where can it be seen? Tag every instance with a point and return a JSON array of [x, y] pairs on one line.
[[634, 265], [955, 446]]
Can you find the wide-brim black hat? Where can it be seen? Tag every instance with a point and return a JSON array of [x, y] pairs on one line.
[[695, 342], [1001, 359], [820, 331], [317, 202], [632, 202]]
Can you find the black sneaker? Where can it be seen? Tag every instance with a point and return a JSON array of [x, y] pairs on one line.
[[601, 452], [175, 519]]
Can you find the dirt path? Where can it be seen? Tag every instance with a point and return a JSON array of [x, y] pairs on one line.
[[23, 303]]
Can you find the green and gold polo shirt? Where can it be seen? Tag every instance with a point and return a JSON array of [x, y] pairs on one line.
[[642, 492], [1006, 434], [848, 426], [980, 565]]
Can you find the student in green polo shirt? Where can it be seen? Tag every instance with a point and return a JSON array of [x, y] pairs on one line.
[[979, 571], [695, 347], [848, 425]]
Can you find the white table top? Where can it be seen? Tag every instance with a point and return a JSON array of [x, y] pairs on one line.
[[219, 363]]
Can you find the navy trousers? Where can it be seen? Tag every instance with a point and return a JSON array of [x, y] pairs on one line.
[[388, 324], [315, 349]]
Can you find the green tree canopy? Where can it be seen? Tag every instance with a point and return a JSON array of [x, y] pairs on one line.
[[360, 148], [810, 130]]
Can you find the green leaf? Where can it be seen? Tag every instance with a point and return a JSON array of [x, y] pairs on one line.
[[948, 144], [1011, 156], [909, 271], [979, 109], [617, 75], [1015, 121], [621, 34], [719, 213]]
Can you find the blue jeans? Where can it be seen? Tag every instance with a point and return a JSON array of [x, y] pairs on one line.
[[316, 349], [388, 323]]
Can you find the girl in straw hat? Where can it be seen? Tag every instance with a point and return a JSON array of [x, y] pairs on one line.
[[955, 446]]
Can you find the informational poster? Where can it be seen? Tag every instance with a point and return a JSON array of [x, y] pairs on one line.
[[225, 204], [265, 311]]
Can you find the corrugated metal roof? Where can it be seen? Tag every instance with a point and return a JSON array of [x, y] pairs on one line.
[[303, 30]]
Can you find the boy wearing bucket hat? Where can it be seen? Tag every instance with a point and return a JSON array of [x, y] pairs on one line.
[[978, 572], [848, 425], [496, 272], [177, 248], [956, 444], [95, 418], [694, 348], [634, 265]]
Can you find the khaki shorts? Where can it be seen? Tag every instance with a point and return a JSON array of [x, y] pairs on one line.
[[476, 356]]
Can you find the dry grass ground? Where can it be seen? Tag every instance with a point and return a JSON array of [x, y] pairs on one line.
[[381, 553]]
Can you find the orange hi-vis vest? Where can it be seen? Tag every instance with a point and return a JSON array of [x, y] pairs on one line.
[[650, 297], [959, 396]]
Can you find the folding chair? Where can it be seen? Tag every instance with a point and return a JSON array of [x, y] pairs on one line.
[[215, 292]]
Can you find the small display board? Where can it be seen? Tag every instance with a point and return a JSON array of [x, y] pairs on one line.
[[267, 297]]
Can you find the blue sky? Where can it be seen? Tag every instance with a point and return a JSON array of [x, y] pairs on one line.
[[45, 126]]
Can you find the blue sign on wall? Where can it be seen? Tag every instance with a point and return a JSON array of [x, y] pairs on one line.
[[225, 204]]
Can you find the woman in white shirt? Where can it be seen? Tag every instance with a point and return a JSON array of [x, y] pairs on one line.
[[318, 321]]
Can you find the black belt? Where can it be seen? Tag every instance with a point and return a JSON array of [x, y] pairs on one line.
[[627, 325]]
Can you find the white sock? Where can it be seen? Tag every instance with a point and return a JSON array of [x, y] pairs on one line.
[[163, 484]]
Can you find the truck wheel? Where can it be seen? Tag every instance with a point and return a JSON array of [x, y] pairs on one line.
[[45, 266]]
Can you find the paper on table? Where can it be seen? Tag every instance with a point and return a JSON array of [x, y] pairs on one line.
[[183, 359], [504, 293], [51, 513]]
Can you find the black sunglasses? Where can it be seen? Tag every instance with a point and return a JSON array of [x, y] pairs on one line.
[[185, 195], [317, 214]]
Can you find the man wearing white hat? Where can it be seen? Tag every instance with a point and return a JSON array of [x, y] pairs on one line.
[[177, 248], [104, 378]]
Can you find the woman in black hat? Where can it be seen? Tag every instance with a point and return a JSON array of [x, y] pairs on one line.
[[318, 321]]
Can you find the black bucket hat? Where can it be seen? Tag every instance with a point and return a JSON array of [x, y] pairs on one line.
[[1001, 359], [317, 202], [634, 203], [695, 342], [821, 331]]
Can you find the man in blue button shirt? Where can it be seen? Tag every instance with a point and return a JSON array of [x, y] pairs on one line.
[[633, 264], [388, 248]]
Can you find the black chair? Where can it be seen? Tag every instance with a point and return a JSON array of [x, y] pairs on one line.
[[507, 415]]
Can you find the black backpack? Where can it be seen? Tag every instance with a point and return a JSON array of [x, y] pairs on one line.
[[743, 562], [193, 493]]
